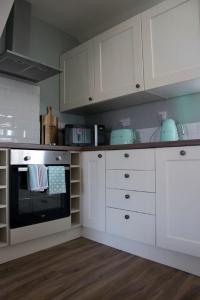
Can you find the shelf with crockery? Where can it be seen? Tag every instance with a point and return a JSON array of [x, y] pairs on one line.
[[3, 197], [75, 180]]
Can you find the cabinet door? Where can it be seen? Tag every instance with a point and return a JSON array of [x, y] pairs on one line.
[[178, 199], [93, 190], [171, 42], [118, 61], [77, 79]]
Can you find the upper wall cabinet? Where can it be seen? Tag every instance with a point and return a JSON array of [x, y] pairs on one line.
[[77, 79], [118, 60], [171, 42]]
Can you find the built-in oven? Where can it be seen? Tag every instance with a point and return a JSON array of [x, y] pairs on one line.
[[30, 207]]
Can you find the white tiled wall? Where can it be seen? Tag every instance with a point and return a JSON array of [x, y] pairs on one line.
[[19, 112]]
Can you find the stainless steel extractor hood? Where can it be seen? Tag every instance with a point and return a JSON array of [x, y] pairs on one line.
[[15, 47]]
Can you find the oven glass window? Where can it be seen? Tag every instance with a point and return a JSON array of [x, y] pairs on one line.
[[30, 202]]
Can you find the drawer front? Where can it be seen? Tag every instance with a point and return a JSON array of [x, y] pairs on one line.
[[129, 200], [131, 225], [143, 181], [131, 159]]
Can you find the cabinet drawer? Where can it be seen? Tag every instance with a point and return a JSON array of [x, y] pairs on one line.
[[131, 225], [143, 181], [131, 159], [129, 200]]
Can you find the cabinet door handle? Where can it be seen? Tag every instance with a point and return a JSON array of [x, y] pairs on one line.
[[137, 85], [126, 155], [127, 196], [99, 155], [90, 99], [127, 217], [126, 175], [182, 152]]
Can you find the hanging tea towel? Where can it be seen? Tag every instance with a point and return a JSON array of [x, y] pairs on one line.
[[56, 177]]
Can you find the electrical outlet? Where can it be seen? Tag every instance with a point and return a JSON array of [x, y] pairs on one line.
[[162, 115]]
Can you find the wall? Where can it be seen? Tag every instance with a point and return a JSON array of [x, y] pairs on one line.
[[19, 115], [47, 43], [185, 109]]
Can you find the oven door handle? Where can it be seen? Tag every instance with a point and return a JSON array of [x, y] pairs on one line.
[[25, 169]]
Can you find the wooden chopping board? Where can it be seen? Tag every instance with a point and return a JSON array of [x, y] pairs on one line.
[[49, 128]]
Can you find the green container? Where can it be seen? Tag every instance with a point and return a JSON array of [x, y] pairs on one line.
[[168, 131], [122, 136]]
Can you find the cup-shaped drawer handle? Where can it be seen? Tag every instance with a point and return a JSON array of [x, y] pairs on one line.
[[126, 175], [126, 155], [127, 217], [182, 152], [127, 196]]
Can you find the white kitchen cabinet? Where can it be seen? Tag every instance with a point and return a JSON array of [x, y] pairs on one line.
[[5, 8], [118, 60], [178, 199], [77, 79], [171, 43], [138, 159], [93, 190], [131, 225]]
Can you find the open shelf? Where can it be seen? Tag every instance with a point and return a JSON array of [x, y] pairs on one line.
[[75, 189], [75, 219], [3, 157], [75, 166], [3, 197], [75, 158], [75, 174]]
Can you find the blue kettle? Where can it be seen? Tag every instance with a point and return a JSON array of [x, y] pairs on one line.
[[169, 131]]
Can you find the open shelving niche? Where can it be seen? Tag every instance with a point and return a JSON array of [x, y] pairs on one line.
[[3, 197], [75, 182]]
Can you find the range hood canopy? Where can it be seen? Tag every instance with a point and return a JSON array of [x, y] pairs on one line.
[[15, 46]]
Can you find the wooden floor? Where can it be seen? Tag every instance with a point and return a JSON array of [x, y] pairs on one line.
[[85, 270]]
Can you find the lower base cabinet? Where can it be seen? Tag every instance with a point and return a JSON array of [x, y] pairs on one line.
[[178, 199], [93, 190], [131, 225]]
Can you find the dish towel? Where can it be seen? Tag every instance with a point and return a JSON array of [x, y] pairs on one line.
[[37, 178], [56, 177]]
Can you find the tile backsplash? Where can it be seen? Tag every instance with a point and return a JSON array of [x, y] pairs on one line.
[[191, 132], [19, 112]]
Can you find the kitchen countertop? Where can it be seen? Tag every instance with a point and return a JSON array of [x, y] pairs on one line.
[[101, 148]]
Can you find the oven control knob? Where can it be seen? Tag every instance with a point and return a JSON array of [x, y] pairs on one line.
[[26, 158], [59, 158]]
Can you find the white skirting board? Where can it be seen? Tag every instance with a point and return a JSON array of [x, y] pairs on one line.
[[176, 260], [23, 249]]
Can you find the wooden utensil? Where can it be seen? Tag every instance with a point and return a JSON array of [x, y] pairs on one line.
[[49, 128]]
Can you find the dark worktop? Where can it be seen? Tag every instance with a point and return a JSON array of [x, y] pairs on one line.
[[102, 148]]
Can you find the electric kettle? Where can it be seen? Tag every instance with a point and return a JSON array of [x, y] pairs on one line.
[[168, 131]]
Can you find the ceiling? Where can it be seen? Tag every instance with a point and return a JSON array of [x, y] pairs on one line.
[[85, 18]]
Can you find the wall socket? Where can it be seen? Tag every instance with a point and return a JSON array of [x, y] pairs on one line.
[[162, 115]]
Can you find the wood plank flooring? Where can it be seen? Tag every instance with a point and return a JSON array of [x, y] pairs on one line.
[[85, 270]]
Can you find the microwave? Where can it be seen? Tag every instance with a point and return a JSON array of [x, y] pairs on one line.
[[84, 135]]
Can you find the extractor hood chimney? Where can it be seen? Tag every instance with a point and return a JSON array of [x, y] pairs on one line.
[[15, 47]]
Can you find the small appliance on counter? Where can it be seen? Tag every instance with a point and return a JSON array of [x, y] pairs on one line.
[[168, 131], [76, 135], [122, 136]]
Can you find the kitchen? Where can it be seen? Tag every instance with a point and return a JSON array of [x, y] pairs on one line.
[[120, 216]]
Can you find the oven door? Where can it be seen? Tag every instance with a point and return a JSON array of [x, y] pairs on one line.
[[27, 208]]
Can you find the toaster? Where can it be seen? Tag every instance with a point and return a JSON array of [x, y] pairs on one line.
[[122, 136]]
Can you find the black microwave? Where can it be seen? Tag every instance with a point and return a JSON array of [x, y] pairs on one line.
[[84, 135]]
